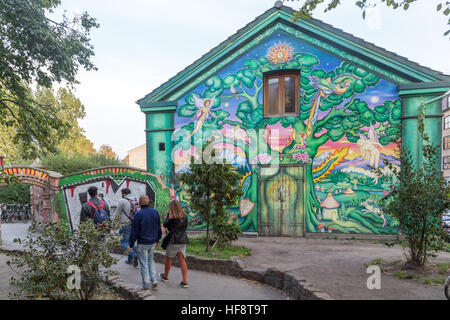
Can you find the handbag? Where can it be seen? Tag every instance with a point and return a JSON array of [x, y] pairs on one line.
[[166, 240]]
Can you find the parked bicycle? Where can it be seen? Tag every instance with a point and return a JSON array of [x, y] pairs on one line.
[[11, 212]]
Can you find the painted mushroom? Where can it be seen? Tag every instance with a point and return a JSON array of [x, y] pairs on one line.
[[321, 227], [330, 229], [330, 208]]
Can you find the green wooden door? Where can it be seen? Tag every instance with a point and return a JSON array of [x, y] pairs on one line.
[[281, 205]]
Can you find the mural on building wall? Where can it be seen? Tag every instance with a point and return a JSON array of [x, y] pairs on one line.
[[347, 123], [110, 182]]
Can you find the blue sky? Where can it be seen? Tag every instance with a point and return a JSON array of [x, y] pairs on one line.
[[142, 43]]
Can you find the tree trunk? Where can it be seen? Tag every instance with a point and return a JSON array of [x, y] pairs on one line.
[[207, 235]]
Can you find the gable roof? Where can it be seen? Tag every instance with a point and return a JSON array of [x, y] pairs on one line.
[[352, 49]]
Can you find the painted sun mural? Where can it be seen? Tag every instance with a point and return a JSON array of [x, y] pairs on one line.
[[280, 53], [348, 123]]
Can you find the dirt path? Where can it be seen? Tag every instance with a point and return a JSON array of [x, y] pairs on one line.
[[337, 267]]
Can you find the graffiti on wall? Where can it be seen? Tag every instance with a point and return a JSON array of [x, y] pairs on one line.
[[110, 182], [348, 123]]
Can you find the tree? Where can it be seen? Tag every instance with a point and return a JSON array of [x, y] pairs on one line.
[[419, 199], [37, 49], [307, 9], [346, 117], [108, 152], [213, 187], [66, 164]]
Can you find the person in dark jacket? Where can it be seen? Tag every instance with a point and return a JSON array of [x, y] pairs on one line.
[[87, 211], [176, 224], [146, 230]]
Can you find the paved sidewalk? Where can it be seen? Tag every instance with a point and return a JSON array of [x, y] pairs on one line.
[[5, 275], [10, 231], [202, 285], [337, 266]]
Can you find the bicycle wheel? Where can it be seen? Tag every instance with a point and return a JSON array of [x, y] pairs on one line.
[[24, 217], [447, 292]]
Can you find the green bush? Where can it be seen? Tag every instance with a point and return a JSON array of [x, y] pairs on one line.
[[65, 164], [225, 233], [15, 193], [44, 265]]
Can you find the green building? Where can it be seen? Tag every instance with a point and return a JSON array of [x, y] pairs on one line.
[[303, 111]]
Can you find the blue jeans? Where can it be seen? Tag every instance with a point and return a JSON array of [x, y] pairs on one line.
[[146, 258], [125, 232]]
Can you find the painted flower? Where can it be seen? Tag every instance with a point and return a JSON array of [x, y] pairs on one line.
[[263, 158], [304, 157]]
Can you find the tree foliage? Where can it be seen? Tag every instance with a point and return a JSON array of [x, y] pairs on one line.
[[37, 49], [43, 267], [307, 9], [213, 187], [65, 164], [419, 199]]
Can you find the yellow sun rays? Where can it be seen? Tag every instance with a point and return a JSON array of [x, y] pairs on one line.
[[280, 53]]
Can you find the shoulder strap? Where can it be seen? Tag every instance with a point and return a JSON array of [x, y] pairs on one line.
[[93, 205], [101, 205]]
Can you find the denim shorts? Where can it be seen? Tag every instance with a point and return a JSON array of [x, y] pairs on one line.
[[173, 249]]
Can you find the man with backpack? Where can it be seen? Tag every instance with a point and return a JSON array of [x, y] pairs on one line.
[[126, 208], [95, 209]]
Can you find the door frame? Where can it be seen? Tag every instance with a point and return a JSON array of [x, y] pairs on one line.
[[303, 196]]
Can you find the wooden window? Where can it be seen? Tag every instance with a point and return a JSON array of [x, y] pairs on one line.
[[447, 123], [446, 142], [281, 94], [446, 163]]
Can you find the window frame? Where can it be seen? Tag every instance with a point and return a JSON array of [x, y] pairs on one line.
[[281, 75], [445, 122], [444, 144], [444, 163]]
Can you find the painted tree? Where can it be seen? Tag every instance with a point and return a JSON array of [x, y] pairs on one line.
[[345, 116]]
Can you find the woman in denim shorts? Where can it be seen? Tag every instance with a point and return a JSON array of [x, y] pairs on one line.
[[176, 224]]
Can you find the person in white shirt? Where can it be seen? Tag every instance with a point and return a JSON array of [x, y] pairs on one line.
[[123, 212]]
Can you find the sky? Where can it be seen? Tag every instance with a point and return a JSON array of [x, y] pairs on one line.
[[142, 43]]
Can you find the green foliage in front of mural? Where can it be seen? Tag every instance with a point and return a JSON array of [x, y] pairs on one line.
[[43, 269], [213, 187], [15, 193], [419, 199]]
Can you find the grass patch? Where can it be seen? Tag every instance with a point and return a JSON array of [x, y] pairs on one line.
[[402, 275], [197, 247], [444, 267], [437, 281]]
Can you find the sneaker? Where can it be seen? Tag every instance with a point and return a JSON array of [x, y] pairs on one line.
[[164, 279], [183, 285], [128, 262], [135, 261], [154, 284]]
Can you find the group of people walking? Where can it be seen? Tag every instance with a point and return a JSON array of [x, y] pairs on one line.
[[142, 232]]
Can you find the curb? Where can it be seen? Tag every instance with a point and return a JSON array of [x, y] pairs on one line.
[[295, 287]]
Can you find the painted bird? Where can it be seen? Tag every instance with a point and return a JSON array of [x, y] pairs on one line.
[[338, 85]]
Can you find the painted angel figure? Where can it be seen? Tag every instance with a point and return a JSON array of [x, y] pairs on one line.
[[204, 110], [369, 147]]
